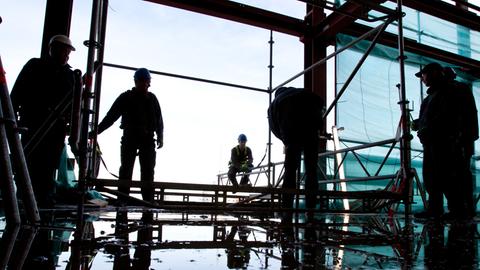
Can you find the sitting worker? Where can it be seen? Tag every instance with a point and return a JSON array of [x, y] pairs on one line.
[[241, 160]]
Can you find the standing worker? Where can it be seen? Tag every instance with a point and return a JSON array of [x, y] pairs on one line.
[[439, 132], [468, 135], [295, 117], [141, 118], [241, 160], [40, 99]]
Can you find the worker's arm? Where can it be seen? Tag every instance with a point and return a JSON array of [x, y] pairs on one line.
[[158, 121], [113, 114]]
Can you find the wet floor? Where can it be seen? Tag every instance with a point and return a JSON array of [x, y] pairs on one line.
[[139, 238]]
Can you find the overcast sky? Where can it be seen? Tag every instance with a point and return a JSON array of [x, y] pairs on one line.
[[202, 121]]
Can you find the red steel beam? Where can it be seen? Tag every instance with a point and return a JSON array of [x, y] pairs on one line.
[[339, 21], [241, 13]]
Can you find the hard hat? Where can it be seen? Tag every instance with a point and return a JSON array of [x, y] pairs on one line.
[[450, 73], [242, 138], [142, 74], [61, 39], [429, 68]]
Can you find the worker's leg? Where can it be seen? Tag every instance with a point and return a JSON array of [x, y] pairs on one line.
[[42, 163], [128, 152], [311, 182], [147, 158], [452, 178], [433, 188], [232, 173], [292, 163]]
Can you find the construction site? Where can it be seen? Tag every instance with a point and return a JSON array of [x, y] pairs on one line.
[[215, 67]]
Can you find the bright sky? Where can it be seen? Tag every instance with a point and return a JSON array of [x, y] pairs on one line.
[[202, 121]]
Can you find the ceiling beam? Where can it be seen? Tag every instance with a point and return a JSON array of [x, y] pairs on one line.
[[347, 14], [241, 13], [468, 65], [446, 12]]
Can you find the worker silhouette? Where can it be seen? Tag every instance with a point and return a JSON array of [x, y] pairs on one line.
[[40, 99], [241, 160], [141, 119], [439, 131], [468, 135], [295, 117]]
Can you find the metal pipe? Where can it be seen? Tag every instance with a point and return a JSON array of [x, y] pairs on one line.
[[358, 147], [359, 179], [22, 247], [12, 214], [98, 88], [83, 145], [321, 61], [16, 150], [359, 64], [7, 243], [189, 78], [270, 78], [405, 155]]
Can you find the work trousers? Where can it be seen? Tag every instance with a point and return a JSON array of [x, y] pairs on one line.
[[442, 175], [143, 145], [42, 162], [293, 153], [232, 172]]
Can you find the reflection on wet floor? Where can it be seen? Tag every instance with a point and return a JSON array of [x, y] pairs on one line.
[[138, 238]]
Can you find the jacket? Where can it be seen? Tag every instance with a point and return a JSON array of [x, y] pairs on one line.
[[140, 112]]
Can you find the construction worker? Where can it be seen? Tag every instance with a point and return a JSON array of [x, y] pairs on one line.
[[141, 118], [468, 135], [439, 132], [295, 117], [40, 98], [241, 160]]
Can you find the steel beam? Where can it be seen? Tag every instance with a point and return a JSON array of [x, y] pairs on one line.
[[446, 12], [339, 21], [468, 65], [241, 13]]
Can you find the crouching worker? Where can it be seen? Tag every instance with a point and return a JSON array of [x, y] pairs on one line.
[[241, 160]]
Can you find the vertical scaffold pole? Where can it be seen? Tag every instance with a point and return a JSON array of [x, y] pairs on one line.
[[97, 88], [270, 77], [405, 157], [83, 144]]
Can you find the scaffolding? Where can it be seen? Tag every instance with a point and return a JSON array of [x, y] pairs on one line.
[[314, 75], [317, 31]]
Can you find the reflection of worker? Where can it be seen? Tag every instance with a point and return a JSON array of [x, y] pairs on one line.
[[40, 98], [238, 256], [141, 118], [241, 160], [459, 252], [295, 117], [143, 251], [438, 131]]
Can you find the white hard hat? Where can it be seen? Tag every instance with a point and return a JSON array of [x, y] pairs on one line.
[[61, 39]]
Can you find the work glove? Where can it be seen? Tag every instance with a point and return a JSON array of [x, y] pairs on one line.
[[244, 168], [414, 125], [159, 143]]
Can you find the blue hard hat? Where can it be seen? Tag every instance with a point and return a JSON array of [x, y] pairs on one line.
[[142, 74], [242, 138]]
